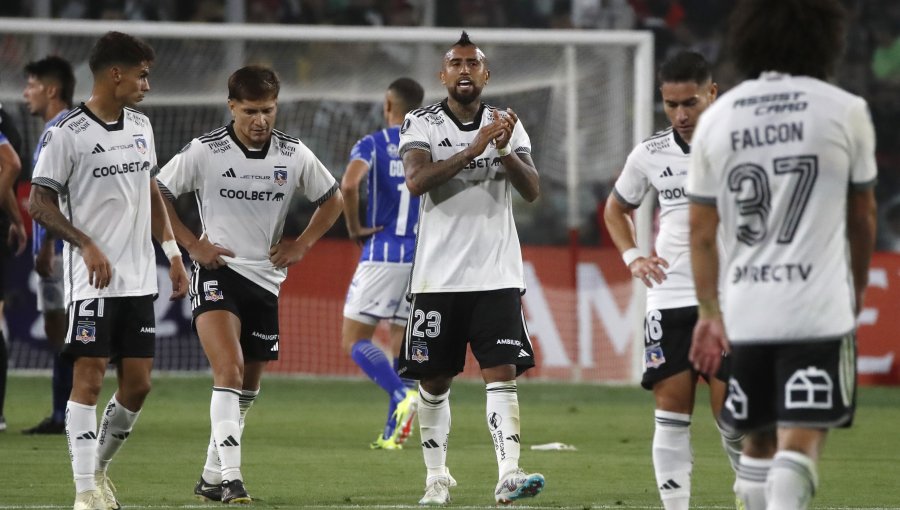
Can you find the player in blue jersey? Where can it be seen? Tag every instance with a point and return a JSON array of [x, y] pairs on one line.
[[48, 92], [388, 239]]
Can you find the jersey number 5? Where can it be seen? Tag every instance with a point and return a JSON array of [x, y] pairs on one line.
[[750, 184]]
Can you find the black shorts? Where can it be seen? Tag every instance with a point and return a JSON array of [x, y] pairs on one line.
[[667, 342], [804, 385], [257, 308], [441, 324], [114, 328]]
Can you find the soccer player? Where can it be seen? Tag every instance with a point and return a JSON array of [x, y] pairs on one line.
[[244, 176], [783, 168], [661, 162], [48, 92], [93, 188], [12, 230], [378, 289], [464, 158]]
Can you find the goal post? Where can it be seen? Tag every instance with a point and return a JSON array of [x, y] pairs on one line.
[[585, 97]]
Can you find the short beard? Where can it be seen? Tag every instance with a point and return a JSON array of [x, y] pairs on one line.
[[466, 99]]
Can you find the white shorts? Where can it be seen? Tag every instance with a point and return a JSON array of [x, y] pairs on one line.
[[51, 290], [378, 291]]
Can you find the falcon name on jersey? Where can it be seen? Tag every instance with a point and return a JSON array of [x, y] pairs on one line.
[[661, 162], [776, 155], [390, 205], [102, 174], [244, 195], [467, 238]]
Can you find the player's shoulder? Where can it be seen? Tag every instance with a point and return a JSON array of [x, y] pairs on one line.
[[659, 141], [434, 108], [136, 117], [213, 136], [74, 113], [283, 137]]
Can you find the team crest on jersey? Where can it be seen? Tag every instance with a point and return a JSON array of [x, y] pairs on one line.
[[653, 356], [140, 144], [280, 177], [213, 294], [393, 151], [419, 353], [86, 332], [405, 126], [434, 119]]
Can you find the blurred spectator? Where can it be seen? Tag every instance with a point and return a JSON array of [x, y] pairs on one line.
[[603, 14]]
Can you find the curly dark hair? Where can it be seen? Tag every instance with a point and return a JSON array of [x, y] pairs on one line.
[[799, 37]]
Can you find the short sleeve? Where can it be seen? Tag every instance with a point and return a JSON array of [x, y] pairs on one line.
[[702, 181], [182, 173], [151, 148], [863, 169], [632, 184], [414, 134], [57, 161], [520, 141], [314, 180], [364, 151]]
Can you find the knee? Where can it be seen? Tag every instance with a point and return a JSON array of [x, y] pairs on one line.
[[231, 376], [436, 385]]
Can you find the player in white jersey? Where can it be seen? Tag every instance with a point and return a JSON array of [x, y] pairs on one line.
[[783, 168], [378, 289], [464, 158], [661, 162], [48, 92], [244, 176], [99, 162]]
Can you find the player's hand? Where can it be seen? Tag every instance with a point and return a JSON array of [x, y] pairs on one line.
[[207, 254], [178, 276], [287, 253], [708, 343], [485, 136], [649, 269], [17, 237], [363, 233], [98, 267], [508, 119], [43, 261]]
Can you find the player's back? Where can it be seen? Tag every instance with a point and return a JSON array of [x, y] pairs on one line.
[[390, 204], [782, 151]]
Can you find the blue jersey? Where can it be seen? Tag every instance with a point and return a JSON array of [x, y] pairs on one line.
[[39, 233], [390, 204]]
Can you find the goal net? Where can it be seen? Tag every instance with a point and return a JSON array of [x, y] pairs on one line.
[[584, 98]]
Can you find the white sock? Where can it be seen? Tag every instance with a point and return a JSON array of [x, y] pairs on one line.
[[792, 481], [673, 459], [114, 430], [434, 429], [225, 416], [503, 423], [212, 468], [81, 434], [750, 484], [732, 442]]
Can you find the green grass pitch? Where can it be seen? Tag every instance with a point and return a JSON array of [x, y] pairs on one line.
[[306, 446]]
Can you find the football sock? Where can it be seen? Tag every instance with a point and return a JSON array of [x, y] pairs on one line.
[[61, 387], [732, 443], [673, 458], [502, 411], [212, 468], [225, 416], [750, 484], [114, 430], [376, 365], [81, 434], [434, 429], [792, 481]]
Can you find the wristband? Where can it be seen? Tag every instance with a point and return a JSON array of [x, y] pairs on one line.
[[630, 255], [504, 151], [170, 248]]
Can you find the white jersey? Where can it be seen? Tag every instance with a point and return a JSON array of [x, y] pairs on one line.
[[776, 155], [102, 174], [467, 238], [244, 195], [661, 162]]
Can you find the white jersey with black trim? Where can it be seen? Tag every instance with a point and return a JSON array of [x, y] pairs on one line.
[[244, 195], [661, 162], [467, 238], [777, 156], [102, 174]]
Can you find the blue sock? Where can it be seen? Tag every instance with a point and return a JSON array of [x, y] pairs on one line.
[[62, 387], [411, 384], [375, 364]]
